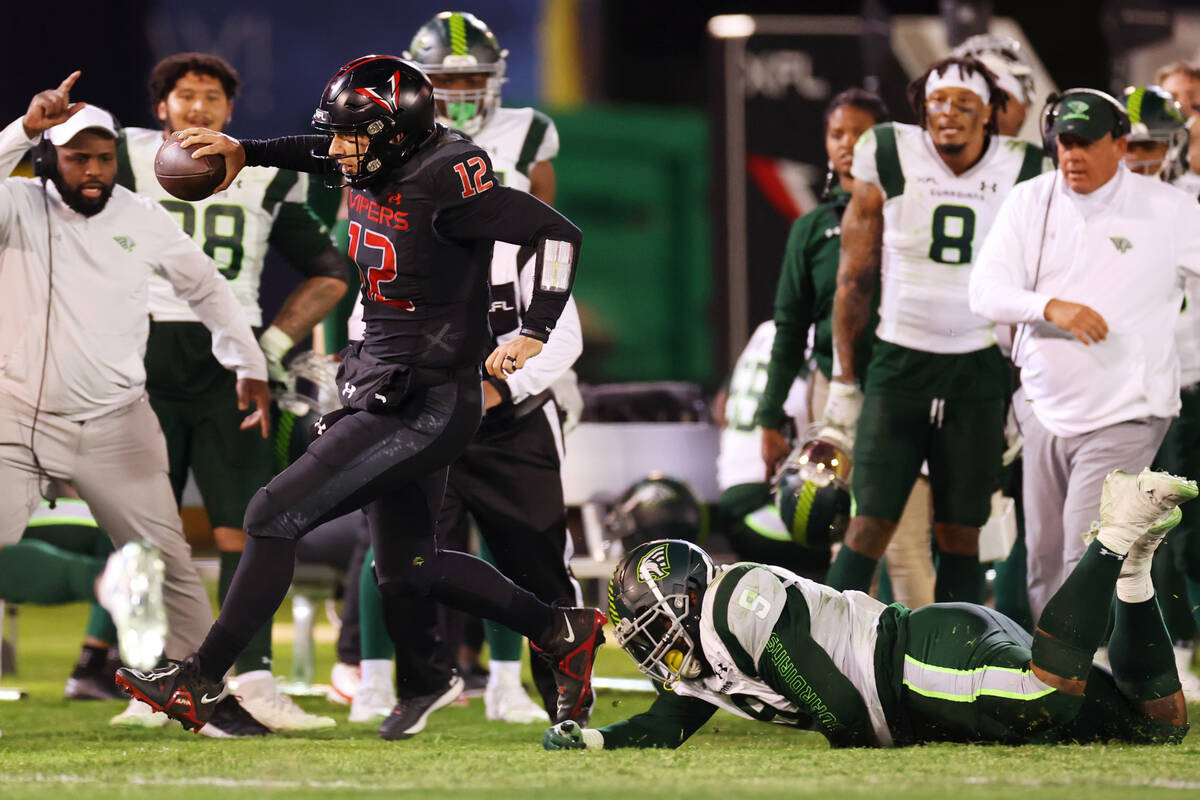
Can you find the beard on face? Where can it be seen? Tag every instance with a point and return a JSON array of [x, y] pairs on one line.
[[951, 149], [87, 206]]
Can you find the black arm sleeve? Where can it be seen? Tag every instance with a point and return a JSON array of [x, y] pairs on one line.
[[794, 665], [304, 243], [669, 721], [509, 215], [288, 152]]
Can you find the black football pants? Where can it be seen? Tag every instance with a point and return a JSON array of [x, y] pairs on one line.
[[394, 467]]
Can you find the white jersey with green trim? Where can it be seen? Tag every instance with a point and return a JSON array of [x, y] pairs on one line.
[[844, 624], [740, 458], [233, 227], [934, 223]]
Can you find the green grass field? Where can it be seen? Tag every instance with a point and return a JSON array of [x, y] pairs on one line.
[[51, 748]]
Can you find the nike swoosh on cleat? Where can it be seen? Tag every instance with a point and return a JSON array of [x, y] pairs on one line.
[[204, 698], [570, 637]]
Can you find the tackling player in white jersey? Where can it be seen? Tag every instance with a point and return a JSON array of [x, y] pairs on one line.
[[264, 208], [924, 199]]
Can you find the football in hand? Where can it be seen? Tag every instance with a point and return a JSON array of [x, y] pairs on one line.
[[185, 177]]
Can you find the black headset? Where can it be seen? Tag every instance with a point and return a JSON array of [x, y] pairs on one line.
[[44, 158], [1054, 102]]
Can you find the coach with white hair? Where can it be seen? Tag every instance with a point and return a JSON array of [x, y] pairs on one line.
[[1086, 261]]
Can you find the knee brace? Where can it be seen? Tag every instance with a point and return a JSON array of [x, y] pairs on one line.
[[264, 518]]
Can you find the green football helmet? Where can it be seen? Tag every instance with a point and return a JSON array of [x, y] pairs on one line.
[[654, 600], [458, 43], [812, 490], [656, 507], [311, 391], [1156, 116]]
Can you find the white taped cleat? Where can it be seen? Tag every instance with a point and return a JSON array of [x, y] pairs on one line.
[[1130, 504], [1134, 584], [507, 701], [130, 589], [139, 715], [259, 694], [374, 700]]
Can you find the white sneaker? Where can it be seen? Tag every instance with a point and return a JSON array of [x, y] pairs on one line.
[[1129, 504], [130, 589], [508, 702], [258, 692], [1187, 676], [373, 701], [139, 715], [343, 683]]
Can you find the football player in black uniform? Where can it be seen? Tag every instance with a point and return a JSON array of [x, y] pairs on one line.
[[425, 209]]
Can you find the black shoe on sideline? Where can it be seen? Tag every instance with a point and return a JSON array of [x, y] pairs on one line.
[[408, 717]]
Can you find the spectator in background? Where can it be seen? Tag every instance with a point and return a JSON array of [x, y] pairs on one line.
[[935, 390], [1088, 263], [1007, 60]]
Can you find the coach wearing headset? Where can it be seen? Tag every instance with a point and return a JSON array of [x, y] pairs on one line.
[[1085, 260], [76, 253]]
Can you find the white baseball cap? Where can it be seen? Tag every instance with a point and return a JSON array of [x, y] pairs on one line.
[[91, 117]]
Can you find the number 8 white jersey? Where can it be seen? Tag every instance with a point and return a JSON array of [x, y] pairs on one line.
[[933, 224]]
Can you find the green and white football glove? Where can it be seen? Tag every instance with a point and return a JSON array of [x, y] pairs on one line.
[[569, 736]]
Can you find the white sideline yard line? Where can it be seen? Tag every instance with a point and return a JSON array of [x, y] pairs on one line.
[[256, 783]]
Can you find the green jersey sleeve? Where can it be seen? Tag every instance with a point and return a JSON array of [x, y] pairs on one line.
[[793, 317], [669, 722], [793, 664]]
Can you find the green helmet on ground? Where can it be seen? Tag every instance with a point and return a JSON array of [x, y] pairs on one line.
[[457, 43], [654, 601], [311, 392], [1156, 117]]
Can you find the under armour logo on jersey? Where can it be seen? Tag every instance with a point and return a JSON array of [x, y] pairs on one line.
[[1122, 244], [320, 426], [385, 96], [349, 389], [127, 243], [983, 186]]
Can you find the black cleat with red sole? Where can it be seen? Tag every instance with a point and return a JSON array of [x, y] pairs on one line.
[[177, 689], [571, 651]]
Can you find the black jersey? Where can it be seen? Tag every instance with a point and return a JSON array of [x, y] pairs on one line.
[[422, 239]]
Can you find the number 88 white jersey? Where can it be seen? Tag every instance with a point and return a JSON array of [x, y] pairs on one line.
[[933, 224]]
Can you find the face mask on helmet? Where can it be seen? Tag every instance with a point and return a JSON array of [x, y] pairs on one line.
[[1158, 136], [381, 101], [467, 65], [654, 601], [656, 507], [311, 391], [812, 491]]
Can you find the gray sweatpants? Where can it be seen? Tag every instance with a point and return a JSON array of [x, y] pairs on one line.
[[118, 464], [1063, 477]]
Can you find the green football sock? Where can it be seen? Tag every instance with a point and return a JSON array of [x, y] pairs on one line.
[[1074, 622], [851, 570], [376, 644], [1140, 652], [32, 571], [959, 579], [1012, 596], [504, 644], [257, 653]]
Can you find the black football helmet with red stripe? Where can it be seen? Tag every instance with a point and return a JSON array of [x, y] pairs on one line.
[[382, 98]]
